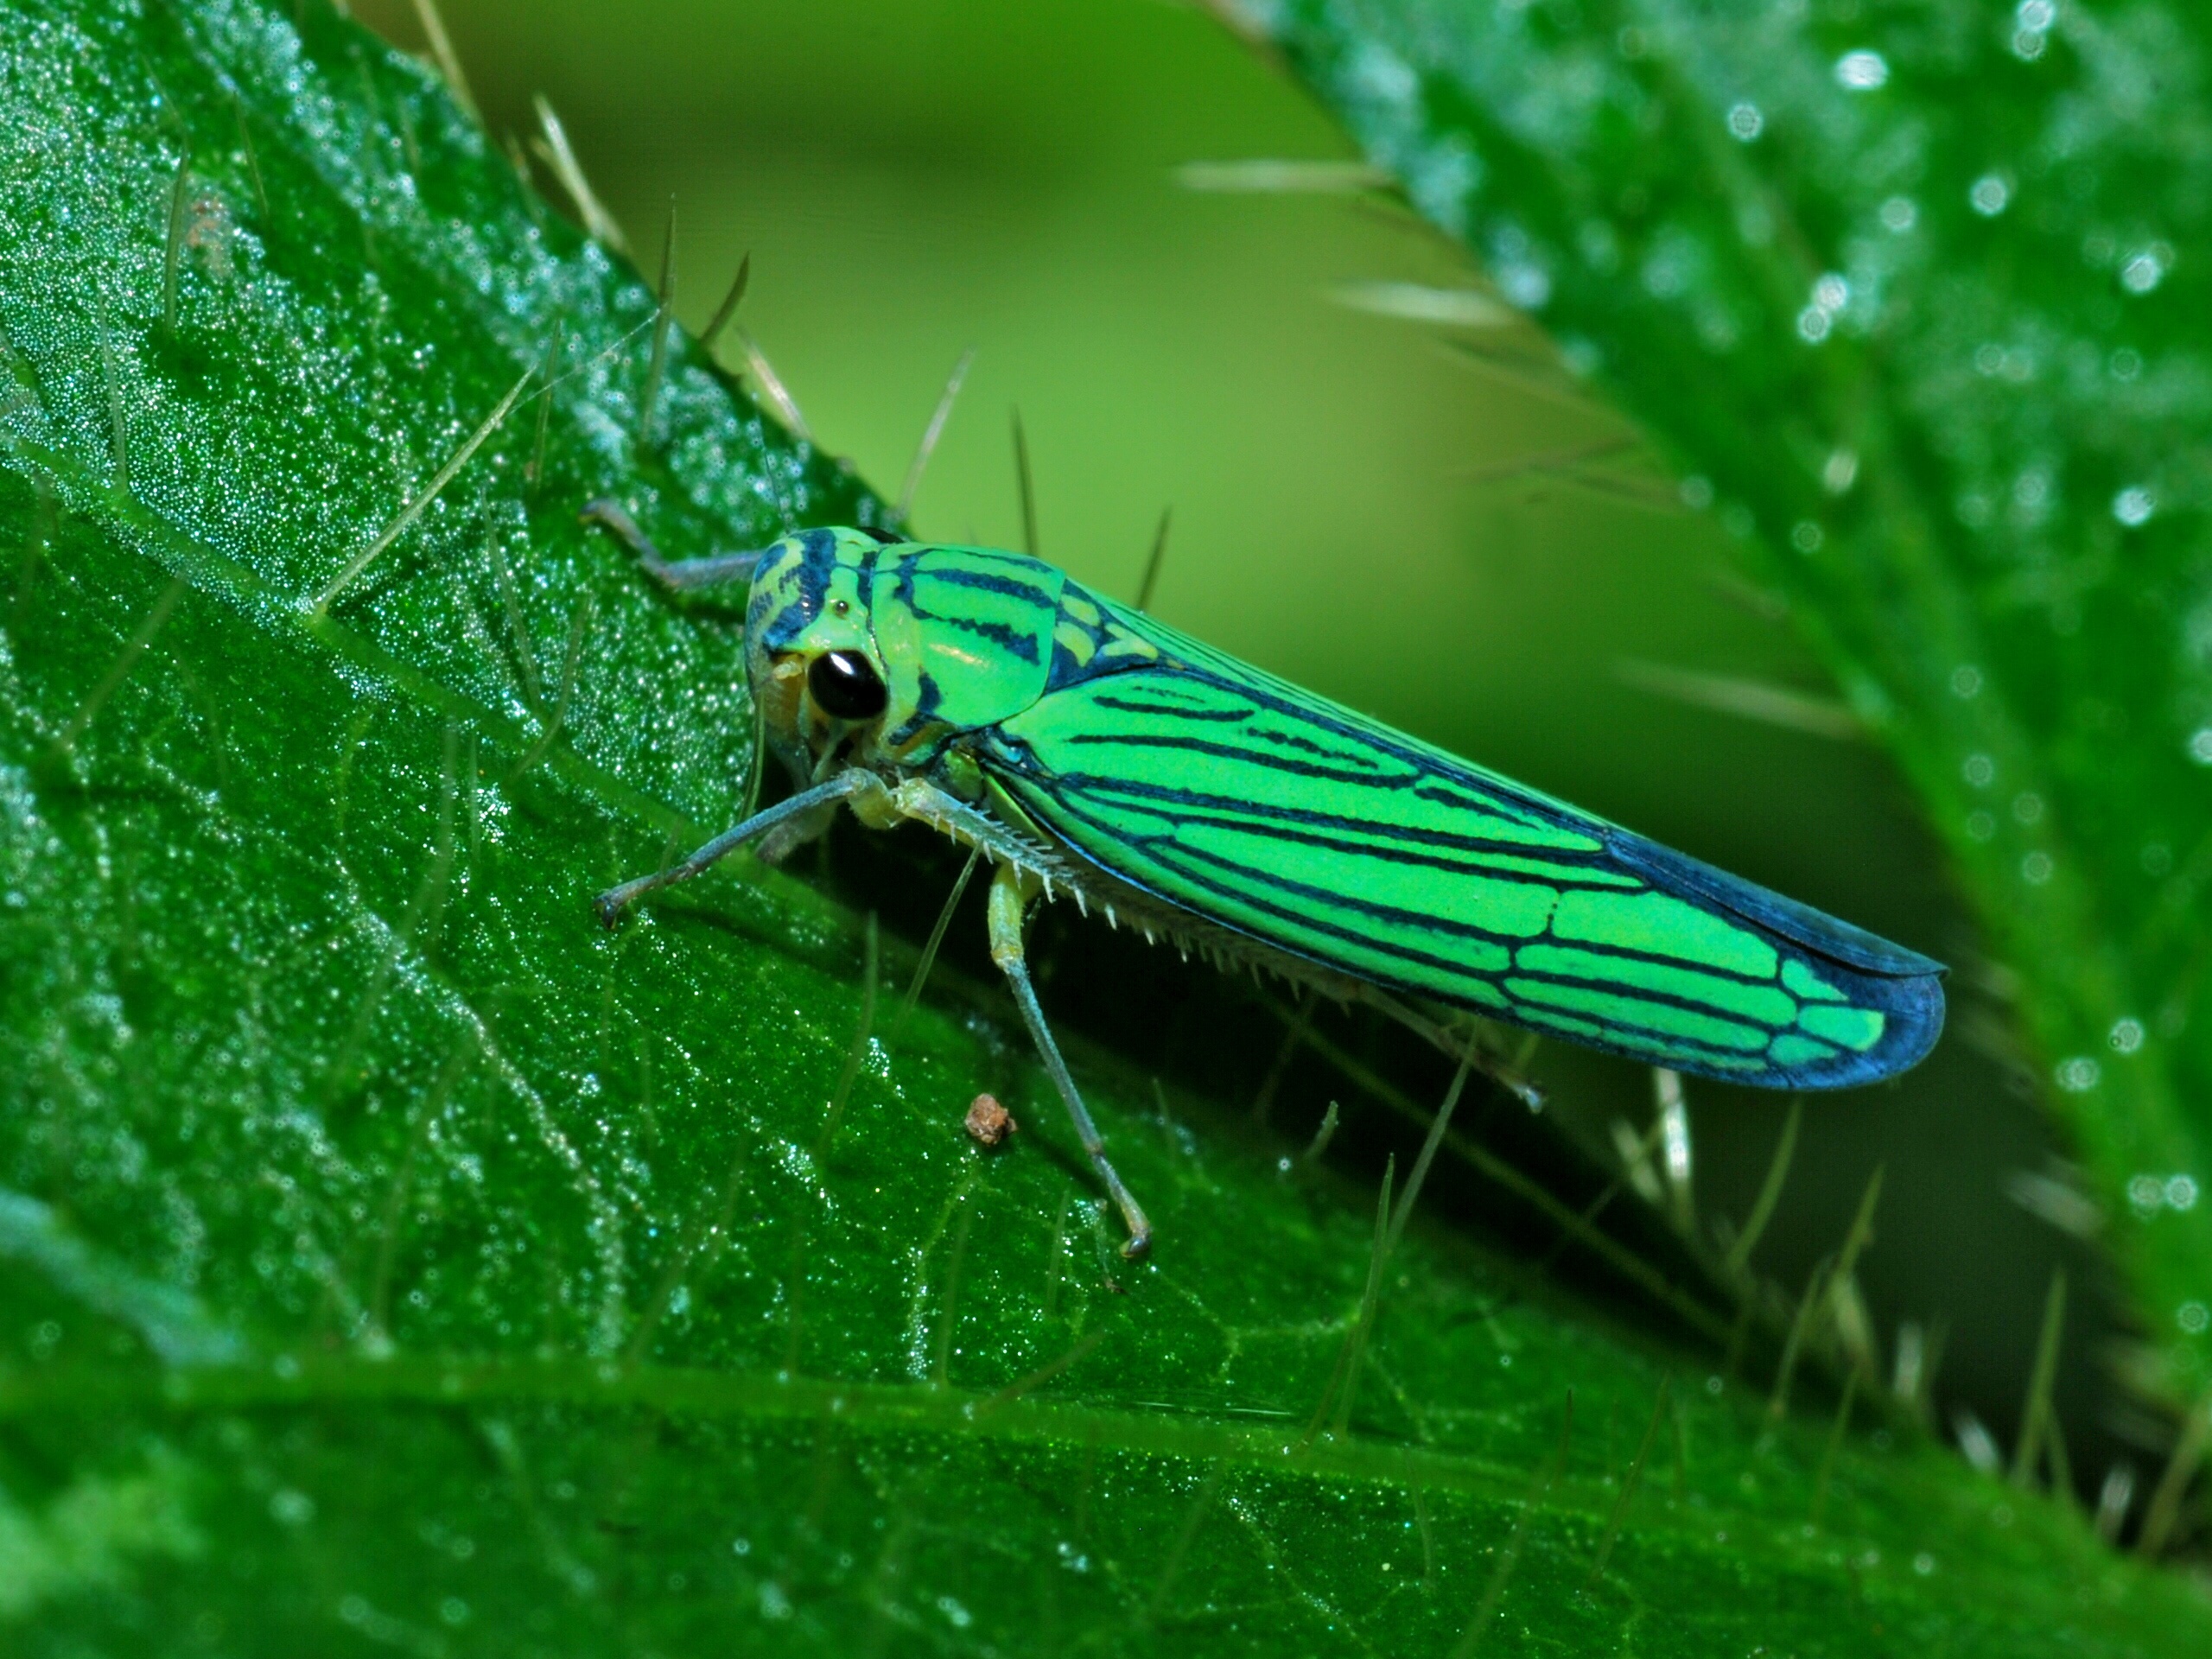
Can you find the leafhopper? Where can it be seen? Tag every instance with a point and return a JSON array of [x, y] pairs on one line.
[[1093, 753]]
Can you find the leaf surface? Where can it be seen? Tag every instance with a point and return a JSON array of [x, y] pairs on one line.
[[390, 1257]]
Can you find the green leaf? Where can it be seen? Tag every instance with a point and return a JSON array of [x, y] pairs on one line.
[[390, 1257], [1907, 291]]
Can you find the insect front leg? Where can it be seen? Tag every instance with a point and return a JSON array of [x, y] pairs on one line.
[[779, 828], [1012, 893]]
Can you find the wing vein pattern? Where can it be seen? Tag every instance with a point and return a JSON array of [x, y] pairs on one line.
[[1327, 837]]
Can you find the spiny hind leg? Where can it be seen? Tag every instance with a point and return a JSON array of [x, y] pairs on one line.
[[1460, 1046], [1012, 890]]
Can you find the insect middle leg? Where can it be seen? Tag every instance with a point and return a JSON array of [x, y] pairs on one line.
[[712, 572], [1012, 891]]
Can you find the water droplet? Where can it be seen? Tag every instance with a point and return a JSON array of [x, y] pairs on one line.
[[2192, 1317], [1812, 324], [1861, 71], [2133, 505], [2036, 868], [1805, 536], [2126, 1036], [2077, 1074], [1989, 195], [1899, 214], [1745, 121], [1831, 292], [2143, 272], [1923, 1563], [2181, 1192], [2200, 746], [1840, 471], [1980, 770], [2027, 806], [1980, 826], [1528, 286], [2146, 1193], [2127, 364], [1966, 681]]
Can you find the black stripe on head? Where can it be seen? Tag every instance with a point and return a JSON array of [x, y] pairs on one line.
[[817, 562]]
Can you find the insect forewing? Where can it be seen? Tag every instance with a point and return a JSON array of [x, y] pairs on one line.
[[1321, 834]]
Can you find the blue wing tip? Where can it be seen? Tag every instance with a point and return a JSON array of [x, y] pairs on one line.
[[1912, 1010]]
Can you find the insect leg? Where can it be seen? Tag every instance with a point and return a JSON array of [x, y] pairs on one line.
[[1459, 1047], [1011, 893], [612, 903], [680, 573]]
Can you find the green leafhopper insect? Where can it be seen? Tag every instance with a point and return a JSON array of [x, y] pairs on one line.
[[1086, 749]]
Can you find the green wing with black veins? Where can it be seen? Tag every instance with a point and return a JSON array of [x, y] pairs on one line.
[[1329, 837]]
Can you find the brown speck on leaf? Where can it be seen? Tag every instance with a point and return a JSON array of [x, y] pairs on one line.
[[988, 1122], [209, 232]]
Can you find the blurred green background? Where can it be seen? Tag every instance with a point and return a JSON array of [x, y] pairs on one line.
[[1360, 503]]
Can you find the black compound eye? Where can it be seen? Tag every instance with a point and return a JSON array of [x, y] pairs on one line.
[[845, 686]]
